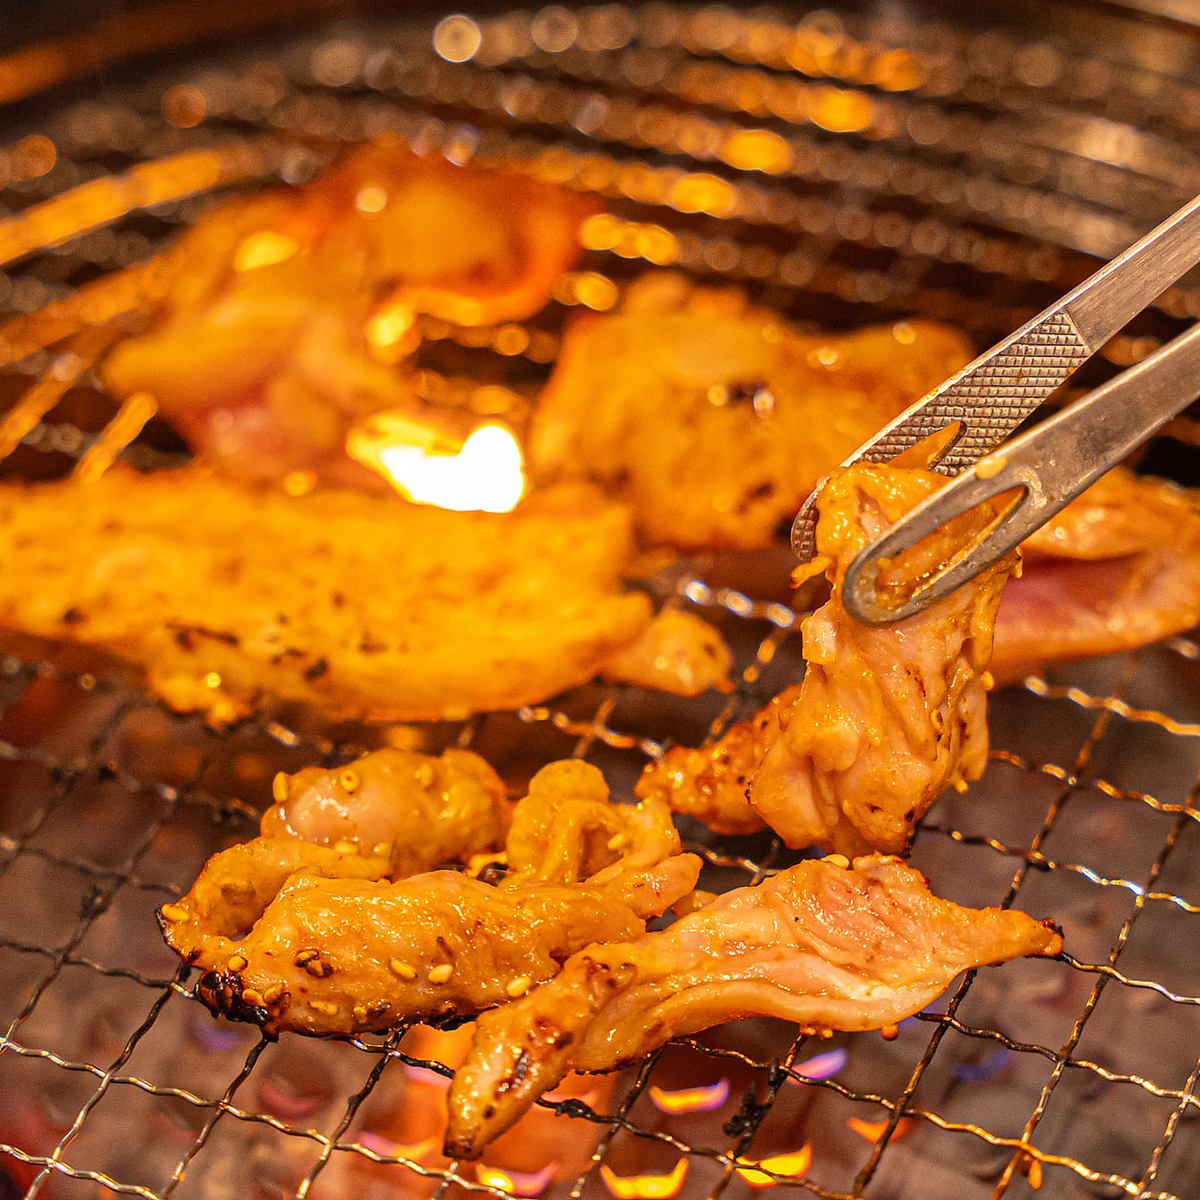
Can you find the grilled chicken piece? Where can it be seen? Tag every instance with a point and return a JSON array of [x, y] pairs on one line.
[[1119, 567], [679, 653], [824, 945], [334, 947], [710, 783], [286, 313], [389, 814], [714, 424], [885, 717], [417, 811], [359, 606], [411, 1114]]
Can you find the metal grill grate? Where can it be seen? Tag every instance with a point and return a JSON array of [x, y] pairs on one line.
[[844, 169]]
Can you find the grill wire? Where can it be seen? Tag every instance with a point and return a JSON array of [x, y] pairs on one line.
[[844, 169]]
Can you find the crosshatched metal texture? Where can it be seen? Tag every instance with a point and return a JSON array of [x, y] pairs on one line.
[[844, 169]]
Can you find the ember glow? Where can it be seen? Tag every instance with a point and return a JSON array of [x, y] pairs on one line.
[[791, 1165], [645, 1187], [386, 1148], [516, 1183], [483, 473], [429, 1078], [690, 1100], [821, 1066], [872, 1131]]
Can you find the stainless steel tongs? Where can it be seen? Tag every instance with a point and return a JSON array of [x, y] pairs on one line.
[[1050, 464]]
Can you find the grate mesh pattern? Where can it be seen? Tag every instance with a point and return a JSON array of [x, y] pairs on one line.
[[845, 169]]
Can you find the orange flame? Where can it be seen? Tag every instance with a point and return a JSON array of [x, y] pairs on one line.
[[872, 1131], [485, 858], [697, 1099], [792, 1165], [645, 1187], [484, 473], [264, 249], [516, 1183]]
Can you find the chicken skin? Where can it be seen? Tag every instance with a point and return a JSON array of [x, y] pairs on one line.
[[353, 605], [323, 941], [715, 425], [886, 716], [826, 945], [286, 313]]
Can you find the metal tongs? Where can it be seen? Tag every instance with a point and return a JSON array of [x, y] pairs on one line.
[[1049, 465]]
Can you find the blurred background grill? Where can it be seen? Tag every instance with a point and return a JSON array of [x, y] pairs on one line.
[[890, 160]]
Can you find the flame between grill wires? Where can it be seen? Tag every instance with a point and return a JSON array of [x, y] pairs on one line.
[[645, 1187], [791, 1165], [820, 1066], [690, 1100], [517, 1183], [484, 473], [872, 1131]]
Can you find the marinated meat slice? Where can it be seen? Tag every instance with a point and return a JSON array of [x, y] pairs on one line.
[[334, 946], [1118, 568], [828, 946], [416, 811], [358, 606], [679, 653], [285, 314], [710, 783], [886, 716], [716, 423]]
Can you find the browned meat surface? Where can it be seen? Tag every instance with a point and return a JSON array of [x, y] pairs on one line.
[[711, 782], [541, 1147], [885, 717], [1119, 567], [356, 605], [416, 811], [285, 314], [824, 945], [714, 422], [304, 937]]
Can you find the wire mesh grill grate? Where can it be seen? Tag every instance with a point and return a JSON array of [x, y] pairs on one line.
[[845, 170]]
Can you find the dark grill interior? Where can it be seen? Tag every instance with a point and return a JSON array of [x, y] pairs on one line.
[[844, 170]]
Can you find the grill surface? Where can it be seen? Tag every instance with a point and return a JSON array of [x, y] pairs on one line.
[[845, 170]]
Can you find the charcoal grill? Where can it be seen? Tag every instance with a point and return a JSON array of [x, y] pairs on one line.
[[844, 168]]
